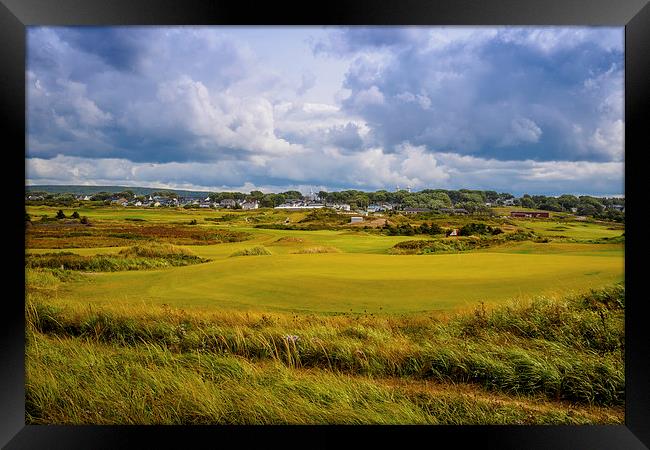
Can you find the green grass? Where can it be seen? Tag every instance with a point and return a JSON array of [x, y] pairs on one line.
[[517, 364], [361, 276], [576, 230], [139, 257], [328, 327], [352, 282]]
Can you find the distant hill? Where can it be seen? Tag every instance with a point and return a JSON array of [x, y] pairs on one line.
[[89, 190]]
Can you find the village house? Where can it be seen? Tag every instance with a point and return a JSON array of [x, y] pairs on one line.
[[250, 205], [529, 214], [299, 204], [453, 211], [356, 219], [339, 206], [120, 201], [416, 210], [228, 203]]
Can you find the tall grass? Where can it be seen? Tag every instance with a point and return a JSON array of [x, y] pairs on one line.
[[72, 381], [317, 249], [254, 251], [571, 349], [139, 257]]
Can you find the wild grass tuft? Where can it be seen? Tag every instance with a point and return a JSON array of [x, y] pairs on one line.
[[254, 251], [556, 349], [309, 250], [138, 257]]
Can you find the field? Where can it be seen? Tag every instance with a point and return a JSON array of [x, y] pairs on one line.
[[319, 322]]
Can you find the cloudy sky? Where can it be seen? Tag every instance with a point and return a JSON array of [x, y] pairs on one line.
[[512, 109]]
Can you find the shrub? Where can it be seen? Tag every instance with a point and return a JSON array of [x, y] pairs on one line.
[[478, 229], [75, 215], [421, 247], [60, 215]]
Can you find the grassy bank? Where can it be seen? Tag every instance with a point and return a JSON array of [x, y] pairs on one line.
[[567, 353], [138, 257]]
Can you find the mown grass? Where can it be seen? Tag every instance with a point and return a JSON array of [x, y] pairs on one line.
[[138, 257]]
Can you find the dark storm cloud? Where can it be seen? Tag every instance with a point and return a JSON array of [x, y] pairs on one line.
[[500, 96], [533, 108], [118, 47]]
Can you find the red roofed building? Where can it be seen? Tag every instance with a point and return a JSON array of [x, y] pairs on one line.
[[529, 214]]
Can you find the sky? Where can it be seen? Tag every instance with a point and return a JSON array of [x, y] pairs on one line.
[[535, 110]]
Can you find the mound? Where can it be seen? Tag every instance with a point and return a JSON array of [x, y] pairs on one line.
[[309, 250], [288, 240], [255, 251]]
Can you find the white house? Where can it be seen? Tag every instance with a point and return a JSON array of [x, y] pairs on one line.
[[250, 205], [356, 219]]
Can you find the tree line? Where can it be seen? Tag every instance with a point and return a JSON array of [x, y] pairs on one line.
[[473, 201]]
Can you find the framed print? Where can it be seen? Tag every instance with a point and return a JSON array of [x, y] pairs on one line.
[[245, 223]]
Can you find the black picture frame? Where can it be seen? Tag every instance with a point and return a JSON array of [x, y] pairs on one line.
[[15, 15]]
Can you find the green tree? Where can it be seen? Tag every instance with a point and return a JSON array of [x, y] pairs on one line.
[[527, 202], [435, 229], [256, 195], [568, 201], [60, 215]]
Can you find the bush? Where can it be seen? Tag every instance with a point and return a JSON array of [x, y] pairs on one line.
[[423, 247], [75, 215], [60, 215], [479, 229]]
